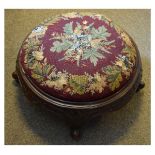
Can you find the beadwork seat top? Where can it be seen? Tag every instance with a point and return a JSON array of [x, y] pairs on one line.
[[78, 57]]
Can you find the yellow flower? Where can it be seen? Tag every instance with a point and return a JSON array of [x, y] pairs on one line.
[[121, 64], [38, 55], [97, 76]]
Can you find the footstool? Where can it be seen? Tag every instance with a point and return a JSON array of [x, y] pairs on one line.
[[79, 65]]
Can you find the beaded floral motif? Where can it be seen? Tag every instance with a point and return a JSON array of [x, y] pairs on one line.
[[47, 75]]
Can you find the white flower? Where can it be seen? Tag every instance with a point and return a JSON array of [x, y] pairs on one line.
[[62, 81], [59, 83]]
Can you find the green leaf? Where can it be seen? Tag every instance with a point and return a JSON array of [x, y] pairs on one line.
[[68, 28], [61, 46], [90, 27], [93, 60], [102, 29], [114, 76], [78, 26], [98, 55], [39, 78], [86, 54], [66, 44], [93, 55], [112, 69], [116, 83], [56, 47], [46, 69], [78, 83], [101, 32], [38, 70], [109, 42]]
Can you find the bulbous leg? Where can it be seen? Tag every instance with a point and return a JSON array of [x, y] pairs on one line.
[[141, 86], [15, 76], [75, 133]]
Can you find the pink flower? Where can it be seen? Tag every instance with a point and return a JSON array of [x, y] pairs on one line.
[[84, 22]]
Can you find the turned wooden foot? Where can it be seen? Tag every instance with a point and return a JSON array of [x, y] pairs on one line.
[[141, 86], [75, 133], [15, 76]]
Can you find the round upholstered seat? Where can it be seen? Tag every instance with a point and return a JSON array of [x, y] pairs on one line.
[[78, 57]]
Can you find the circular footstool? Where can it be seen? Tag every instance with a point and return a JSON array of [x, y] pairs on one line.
[[79, 65]]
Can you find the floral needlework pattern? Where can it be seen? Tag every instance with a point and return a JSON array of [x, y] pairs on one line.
[[79, 42], [82, 42]]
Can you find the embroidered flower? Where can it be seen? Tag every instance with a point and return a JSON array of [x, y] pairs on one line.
[[121, 64], [58, 81], [38, 55], [84, 22], [98, 83], [62, 78]]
